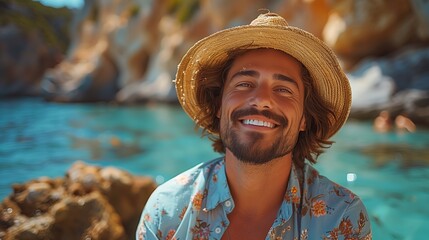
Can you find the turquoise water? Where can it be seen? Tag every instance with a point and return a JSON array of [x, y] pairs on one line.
[[389, 172]]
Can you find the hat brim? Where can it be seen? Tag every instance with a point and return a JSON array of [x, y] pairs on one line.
[[330, 82]]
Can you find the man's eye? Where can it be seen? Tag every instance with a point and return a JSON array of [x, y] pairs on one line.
[[244, 85], [284, 90]]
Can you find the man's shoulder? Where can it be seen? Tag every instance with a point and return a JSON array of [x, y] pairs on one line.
[[189, 181], [333, 207], [321, 186], [179, 197]]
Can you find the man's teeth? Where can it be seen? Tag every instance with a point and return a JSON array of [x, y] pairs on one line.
[[258, 123]]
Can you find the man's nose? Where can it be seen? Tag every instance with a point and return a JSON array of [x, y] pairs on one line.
[[261, 98]]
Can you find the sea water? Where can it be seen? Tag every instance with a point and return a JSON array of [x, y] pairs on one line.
[[390, 171]]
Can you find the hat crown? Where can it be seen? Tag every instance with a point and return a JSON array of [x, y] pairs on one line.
[[269, 19]]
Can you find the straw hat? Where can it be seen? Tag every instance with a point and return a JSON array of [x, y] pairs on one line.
[[268, 30]]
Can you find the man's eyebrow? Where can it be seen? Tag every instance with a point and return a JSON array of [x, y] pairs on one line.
[[250, 73], [285, 78], [253, 73]]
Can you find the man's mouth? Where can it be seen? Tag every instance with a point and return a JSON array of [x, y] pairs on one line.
[[258, 123], [260, 120]]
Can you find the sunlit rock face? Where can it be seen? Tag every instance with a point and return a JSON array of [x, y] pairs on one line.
[[384, 47], [360, 29], [128, 51], [88, 203], [121, 50]]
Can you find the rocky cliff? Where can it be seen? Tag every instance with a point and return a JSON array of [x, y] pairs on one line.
[[33, 38], [88, 203], [128, 51]]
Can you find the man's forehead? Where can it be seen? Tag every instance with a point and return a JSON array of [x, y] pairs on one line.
[[252, 59]]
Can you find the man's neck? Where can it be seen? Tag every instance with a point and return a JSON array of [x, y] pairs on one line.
[[257, 189], [258, 192]]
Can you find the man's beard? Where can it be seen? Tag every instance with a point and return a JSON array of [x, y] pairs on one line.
[[252, 150]]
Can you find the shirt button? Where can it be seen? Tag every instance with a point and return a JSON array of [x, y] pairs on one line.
[[228, 203], [218, 230]]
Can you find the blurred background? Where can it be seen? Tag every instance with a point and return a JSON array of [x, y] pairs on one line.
[[88, 85]]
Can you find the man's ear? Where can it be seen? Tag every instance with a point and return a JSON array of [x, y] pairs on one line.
[[303, 124], [218, 105]]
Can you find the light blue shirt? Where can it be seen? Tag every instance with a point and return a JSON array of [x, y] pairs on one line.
[[196, 204]]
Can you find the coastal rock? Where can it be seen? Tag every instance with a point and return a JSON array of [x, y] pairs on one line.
[[90, 216], [128, 51], [143, 41], [33, 38], [360, 29], [30, 228], [387, 84], [89, 202]]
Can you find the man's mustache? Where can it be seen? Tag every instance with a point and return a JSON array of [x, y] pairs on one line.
[[240, 113]]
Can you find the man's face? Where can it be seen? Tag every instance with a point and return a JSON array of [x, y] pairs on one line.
[[262, 106]]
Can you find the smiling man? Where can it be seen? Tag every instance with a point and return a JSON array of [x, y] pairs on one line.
[[270, 96], [263, 100]]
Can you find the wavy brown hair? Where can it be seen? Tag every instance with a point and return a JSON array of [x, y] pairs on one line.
[[318, 114]]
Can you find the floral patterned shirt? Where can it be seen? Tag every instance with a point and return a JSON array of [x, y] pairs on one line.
[[196, 203]]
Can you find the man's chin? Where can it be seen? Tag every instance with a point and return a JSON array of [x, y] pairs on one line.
[[254, 162], [252, 148], [257, 152], [254, 155]]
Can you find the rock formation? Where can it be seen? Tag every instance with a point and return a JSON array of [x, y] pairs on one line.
[[88, 203], [128, 51], [384, 46], [360, 29], [389, 84], [33, 38]]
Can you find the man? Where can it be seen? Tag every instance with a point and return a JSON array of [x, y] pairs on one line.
[[270, 96]]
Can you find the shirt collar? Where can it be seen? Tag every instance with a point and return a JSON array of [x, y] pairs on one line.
[[218, 189], [293, 191], [292, 199], [219, 192]]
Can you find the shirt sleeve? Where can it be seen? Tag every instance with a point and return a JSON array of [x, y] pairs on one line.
[[145, 232], [355, 223], [146, 229]]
